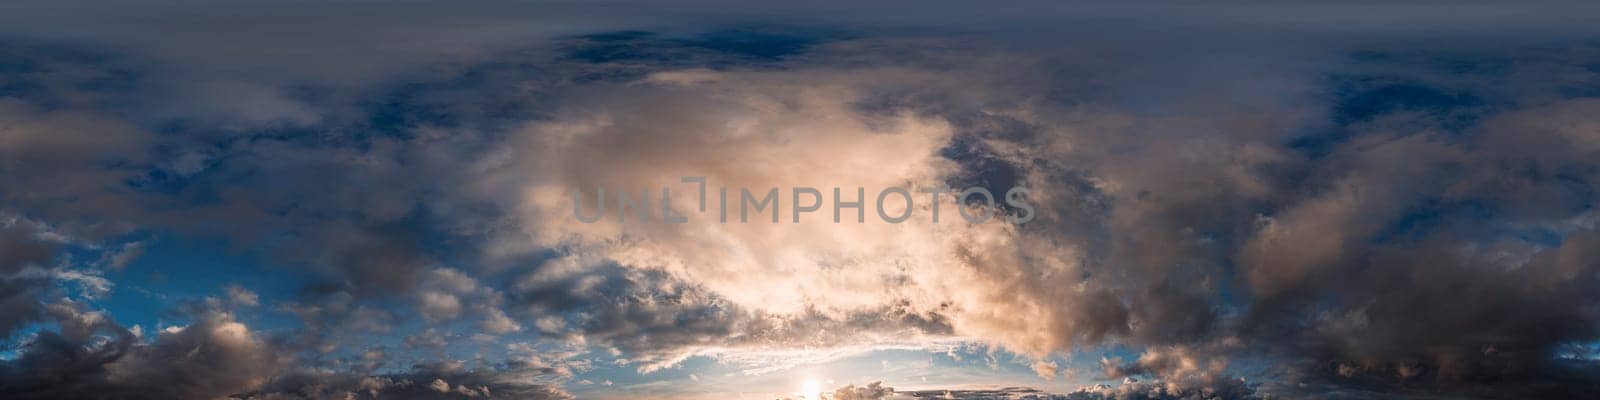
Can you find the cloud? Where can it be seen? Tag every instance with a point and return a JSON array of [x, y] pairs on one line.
[[211, 357], [439, 306], [1188, 389], [871, 391], [424, 381], [74, 164], [1364, 214], [497, 322], [19, 295], [92, 357], [1129, 390], [238, 296]]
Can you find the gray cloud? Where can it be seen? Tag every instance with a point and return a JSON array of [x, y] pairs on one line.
[[424, 381], [93, 357], [20, 296]]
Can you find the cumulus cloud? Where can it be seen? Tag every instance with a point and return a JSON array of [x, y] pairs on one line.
[[424, 381], [211, 357], [438, 306], [92, 356], [238, 296], [871, 391]]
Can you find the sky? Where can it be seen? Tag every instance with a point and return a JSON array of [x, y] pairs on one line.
[[249, 199]]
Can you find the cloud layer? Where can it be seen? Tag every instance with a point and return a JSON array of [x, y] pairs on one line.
[[1405, 215]]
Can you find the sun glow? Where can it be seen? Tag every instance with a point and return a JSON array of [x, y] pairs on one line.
[[811, 389]]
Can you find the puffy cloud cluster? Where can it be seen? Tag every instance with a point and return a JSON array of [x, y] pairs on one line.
[[93, 357], [424, 381]]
